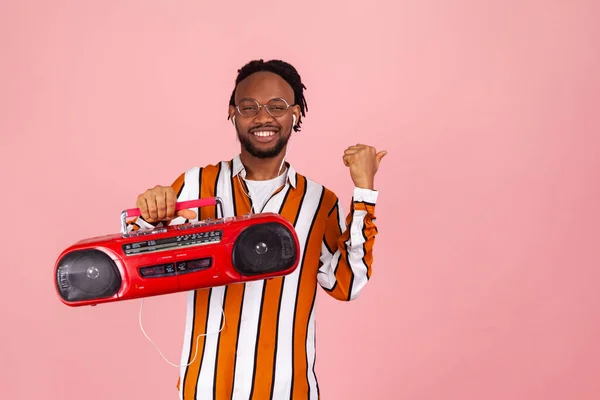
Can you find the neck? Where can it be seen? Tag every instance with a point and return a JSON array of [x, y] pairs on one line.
[[262, 169]]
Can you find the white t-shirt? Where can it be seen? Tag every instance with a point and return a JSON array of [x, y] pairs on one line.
[[261, 191]]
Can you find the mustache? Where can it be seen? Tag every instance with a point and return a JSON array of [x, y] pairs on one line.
[[267, 127]]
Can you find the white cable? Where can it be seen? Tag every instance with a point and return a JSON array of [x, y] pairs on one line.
[[198, 337], [242, 186]]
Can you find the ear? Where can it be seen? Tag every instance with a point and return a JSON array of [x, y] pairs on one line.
[[231, 113], [296, 112]]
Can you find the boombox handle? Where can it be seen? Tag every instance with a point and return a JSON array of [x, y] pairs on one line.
[[182, 205]]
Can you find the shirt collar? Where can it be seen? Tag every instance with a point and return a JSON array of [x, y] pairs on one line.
[[238, 168]]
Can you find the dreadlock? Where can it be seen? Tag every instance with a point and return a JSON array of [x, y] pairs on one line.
[[285, 71]]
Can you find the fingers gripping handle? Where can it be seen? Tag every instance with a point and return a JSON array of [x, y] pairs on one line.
[[182, 205]]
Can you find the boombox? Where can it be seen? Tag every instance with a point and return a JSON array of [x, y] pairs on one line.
[[151, 262]]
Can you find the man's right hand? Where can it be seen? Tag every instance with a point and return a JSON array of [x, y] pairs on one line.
[[158, 205]]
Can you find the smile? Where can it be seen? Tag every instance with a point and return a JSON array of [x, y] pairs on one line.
[[264, 133]]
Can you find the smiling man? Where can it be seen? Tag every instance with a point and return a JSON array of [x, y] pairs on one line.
[[266, 347]]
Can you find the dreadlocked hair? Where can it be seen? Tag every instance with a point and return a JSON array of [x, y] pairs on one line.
[[285, 71]]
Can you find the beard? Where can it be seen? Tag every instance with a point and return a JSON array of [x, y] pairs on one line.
[[268, 153]]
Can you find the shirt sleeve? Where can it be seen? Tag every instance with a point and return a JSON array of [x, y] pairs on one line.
[[347, 247]]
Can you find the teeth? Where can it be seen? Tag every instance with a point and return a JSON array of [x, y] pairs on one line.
[[264, 133]]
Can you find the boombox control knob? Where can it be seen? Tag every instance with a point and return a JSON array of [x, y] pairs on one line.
[[261, 248]]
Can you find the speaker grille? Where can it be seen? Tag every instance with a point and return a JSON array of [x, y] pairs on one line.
[[87, 275], [264, 248]]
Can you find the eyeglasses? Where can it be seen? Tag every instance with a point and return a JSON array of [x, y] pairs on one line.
[[250, 107]]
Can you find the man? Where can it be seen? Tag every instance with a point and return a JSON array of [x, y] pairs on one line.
[[257, 340]]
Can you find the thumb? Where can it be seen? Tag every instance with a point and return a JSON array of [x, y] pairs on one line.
[[380, 155], [187, 214]]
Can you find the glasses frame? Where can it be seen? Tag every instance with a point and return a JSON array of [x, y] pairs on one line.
[[265, 106]]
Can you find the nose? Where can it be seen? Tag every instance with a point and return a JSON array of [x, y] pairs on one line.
[[263, 117]]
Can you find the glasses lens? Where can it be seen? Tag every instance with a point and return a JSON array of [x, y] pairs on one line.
[[248, 108], [277, 107]]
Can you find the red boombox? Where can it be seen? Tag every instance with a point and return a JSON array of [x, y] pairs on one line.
[[190, 256]]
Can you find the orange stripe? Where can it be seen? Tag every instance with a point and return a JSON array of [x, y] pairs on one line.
[[200, 322], [234, 295], [267, 334], [227, 345], [207, 181], [177, 185], [306, 293], [369, 232], [336, 241], [333, 231]]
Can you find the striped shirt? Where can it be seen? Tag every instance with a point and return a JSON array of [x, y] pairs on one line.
[[266, 349]]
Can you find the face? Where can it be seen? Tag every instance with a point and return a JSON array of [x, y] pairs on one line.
[[263, 135]]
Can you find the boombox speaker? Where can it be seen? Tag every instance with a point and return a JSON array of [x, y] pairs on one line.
[[151, 262]]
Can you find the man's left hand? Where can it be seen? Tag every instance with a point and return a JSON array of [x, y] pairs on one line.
[[363, 162]]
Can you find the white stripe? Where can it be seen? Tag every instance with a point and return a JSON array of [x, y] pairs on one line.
[[251, 307], [354, 247], [342, 223], [326, 275], [283, 371], [341, 218], [310, 354], [192, 188], [216, 306], [207, 369], [244, 367], [190, 191]]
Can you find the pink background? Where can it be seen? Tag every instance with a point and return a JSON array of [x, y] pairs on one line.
[[486, 281]]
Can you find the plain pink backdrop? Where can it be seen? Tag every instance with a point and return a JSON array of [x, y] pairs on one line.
[[486, 277]]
